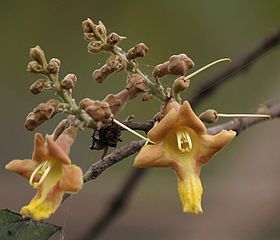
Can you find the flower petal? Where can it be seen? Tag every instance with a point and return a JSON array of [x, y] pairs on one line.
[[72, 179], [56, 152], [40, 149], [23, 167], [212, 144], [159, 131], [41, 208], [189, 119], [152, 156], [190, 192]]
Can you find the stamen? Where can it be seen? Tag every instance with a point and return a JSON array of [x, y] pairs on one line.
[[36, 185], [184, 141], [207, 66], [244, 115], [44, 169], [132, 131]]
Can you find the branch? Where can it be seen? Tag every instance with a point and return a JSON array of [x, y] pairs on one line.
[[240, 64]]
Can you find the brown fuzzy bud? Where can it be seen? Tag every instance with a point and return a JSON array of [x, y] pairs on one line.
[[136, 84], [99, 76], [100, 31], [95, 46], [38, 116], [89, 37], [38, 55], [115, 63], [161, 70], [35, 67], [54, 65], [43, 111], [114, 39], [31, 122], [181, 84], [39, 86], [179, 64], [55, 104], [209, 116], [138, 50], [68, 82], [118, 101], [88, 26], [99, 111], [84, 103]]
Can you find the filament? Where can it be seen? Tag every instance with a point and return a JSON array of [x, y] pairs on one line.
[[207, 66], [132, 131]]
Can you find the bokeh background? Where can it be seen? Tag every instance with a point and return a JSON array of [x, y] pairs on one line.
[[241, 185]]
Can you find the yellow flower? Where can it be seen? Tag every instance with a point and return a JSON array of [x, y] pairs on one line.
[[182, 143], [51, 172]]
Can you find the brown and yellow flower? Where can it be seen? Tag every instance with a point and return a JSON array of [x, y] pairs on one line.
[[51, 172], [182, 143]]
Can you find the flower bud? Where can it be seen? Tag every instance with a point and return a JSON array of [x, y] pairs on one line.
[[95, 46], [181, 84], [209, 116], [138, 50], [99, 76], [89, 37], [100, 31], [84, 103], [39, 86], [99, 111], [118, 101], [54, 65], [161, 70], [37, 54], [55, 104], [68, 82], [34, 67], [31, 122], [114, 39], [88, 26], [176, 65], [136, 84], [179, 64], [114, 63], [43, 111]]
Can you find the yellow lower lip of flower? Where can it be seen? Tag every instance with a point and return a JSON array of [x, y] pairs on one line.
[[190, 191], [38, 210]]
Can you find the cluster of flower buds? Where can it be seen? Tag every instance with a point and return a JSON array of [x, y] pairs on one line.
[[68, 82], [138, 50], [41, 113], [96, 36], [176, 65], [99, 111], [39, 63], [113, 64]]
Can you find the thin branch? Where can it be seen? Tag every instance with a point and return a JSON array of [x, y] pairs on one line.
[[240, 64]]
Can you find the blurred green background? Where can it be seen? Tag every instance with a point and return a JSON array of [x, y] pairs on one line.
[[241, 191]]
